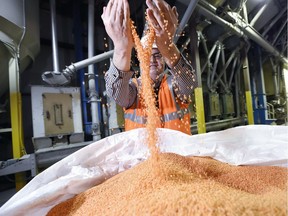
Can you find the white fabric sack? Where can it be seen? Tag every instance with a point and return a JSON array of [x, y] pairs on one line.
[[245, 145]]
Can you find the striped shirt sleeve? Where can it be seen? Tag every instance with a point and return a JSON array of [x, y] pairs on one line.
[[120, 87], [184, 80]]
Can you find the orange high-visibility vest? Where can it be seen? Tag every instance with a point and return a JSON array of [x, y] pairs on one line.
[[173, 113]]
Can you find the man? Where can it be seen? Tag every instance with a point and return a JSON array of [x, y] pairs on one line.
[[172, 91]]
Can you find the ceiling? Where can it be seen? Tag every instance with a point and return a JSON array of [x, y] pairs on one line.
[[267, 17]]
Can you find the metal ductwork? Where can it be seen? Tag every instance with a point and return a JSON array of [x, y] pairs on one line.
[[240, 28]]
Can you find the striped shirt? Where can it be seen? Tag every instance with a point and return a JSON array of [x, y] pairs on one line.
[[120, 87]]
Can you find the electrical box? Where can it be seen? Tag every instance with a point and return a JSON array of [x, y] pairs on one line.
[[214, 105], [57, 116], [228, 104], [57, 110]]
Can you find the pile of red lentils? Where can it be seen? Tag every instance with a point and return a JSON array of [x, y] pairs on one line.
[[187, 186]]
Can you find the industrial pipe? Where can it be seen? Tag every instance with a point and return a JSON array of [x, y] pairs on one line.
[[241, 29], [220, 125], [260, 12], [71, 69], [54, 37], [185, 19], [54, 77]]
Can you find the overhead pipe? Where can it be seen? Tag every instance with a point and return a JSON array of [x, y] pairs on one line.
[[54, 77], [71, 69], [185, 19], [54, 37], [259, 13], [210, 11], [241, 29]]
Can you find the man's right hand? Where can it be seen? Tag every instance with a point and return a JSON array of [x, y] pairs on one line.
[[116, 19]]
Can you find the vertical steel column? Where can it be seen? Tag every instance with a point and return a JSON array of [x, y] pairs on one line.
[[54, 36], [16, 117], [79, 56], [258, 89], [285, 76], [237, 100], [93, 96], [249, 105], [201, 126], [16, 105], [248, 94]]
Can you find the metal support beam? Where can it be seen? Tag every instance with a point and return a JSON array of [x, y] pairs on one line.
[[16, 117], [259, 13], [198, 91], [93, 94], [54, 36], [243, 29], [258, 89], [246, 73], [25, 163], [285, 76]]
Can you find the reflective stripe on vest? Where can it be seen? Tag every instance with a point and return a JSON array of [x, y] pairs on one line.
[[133, 117], [174, 115], [164, 118]]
